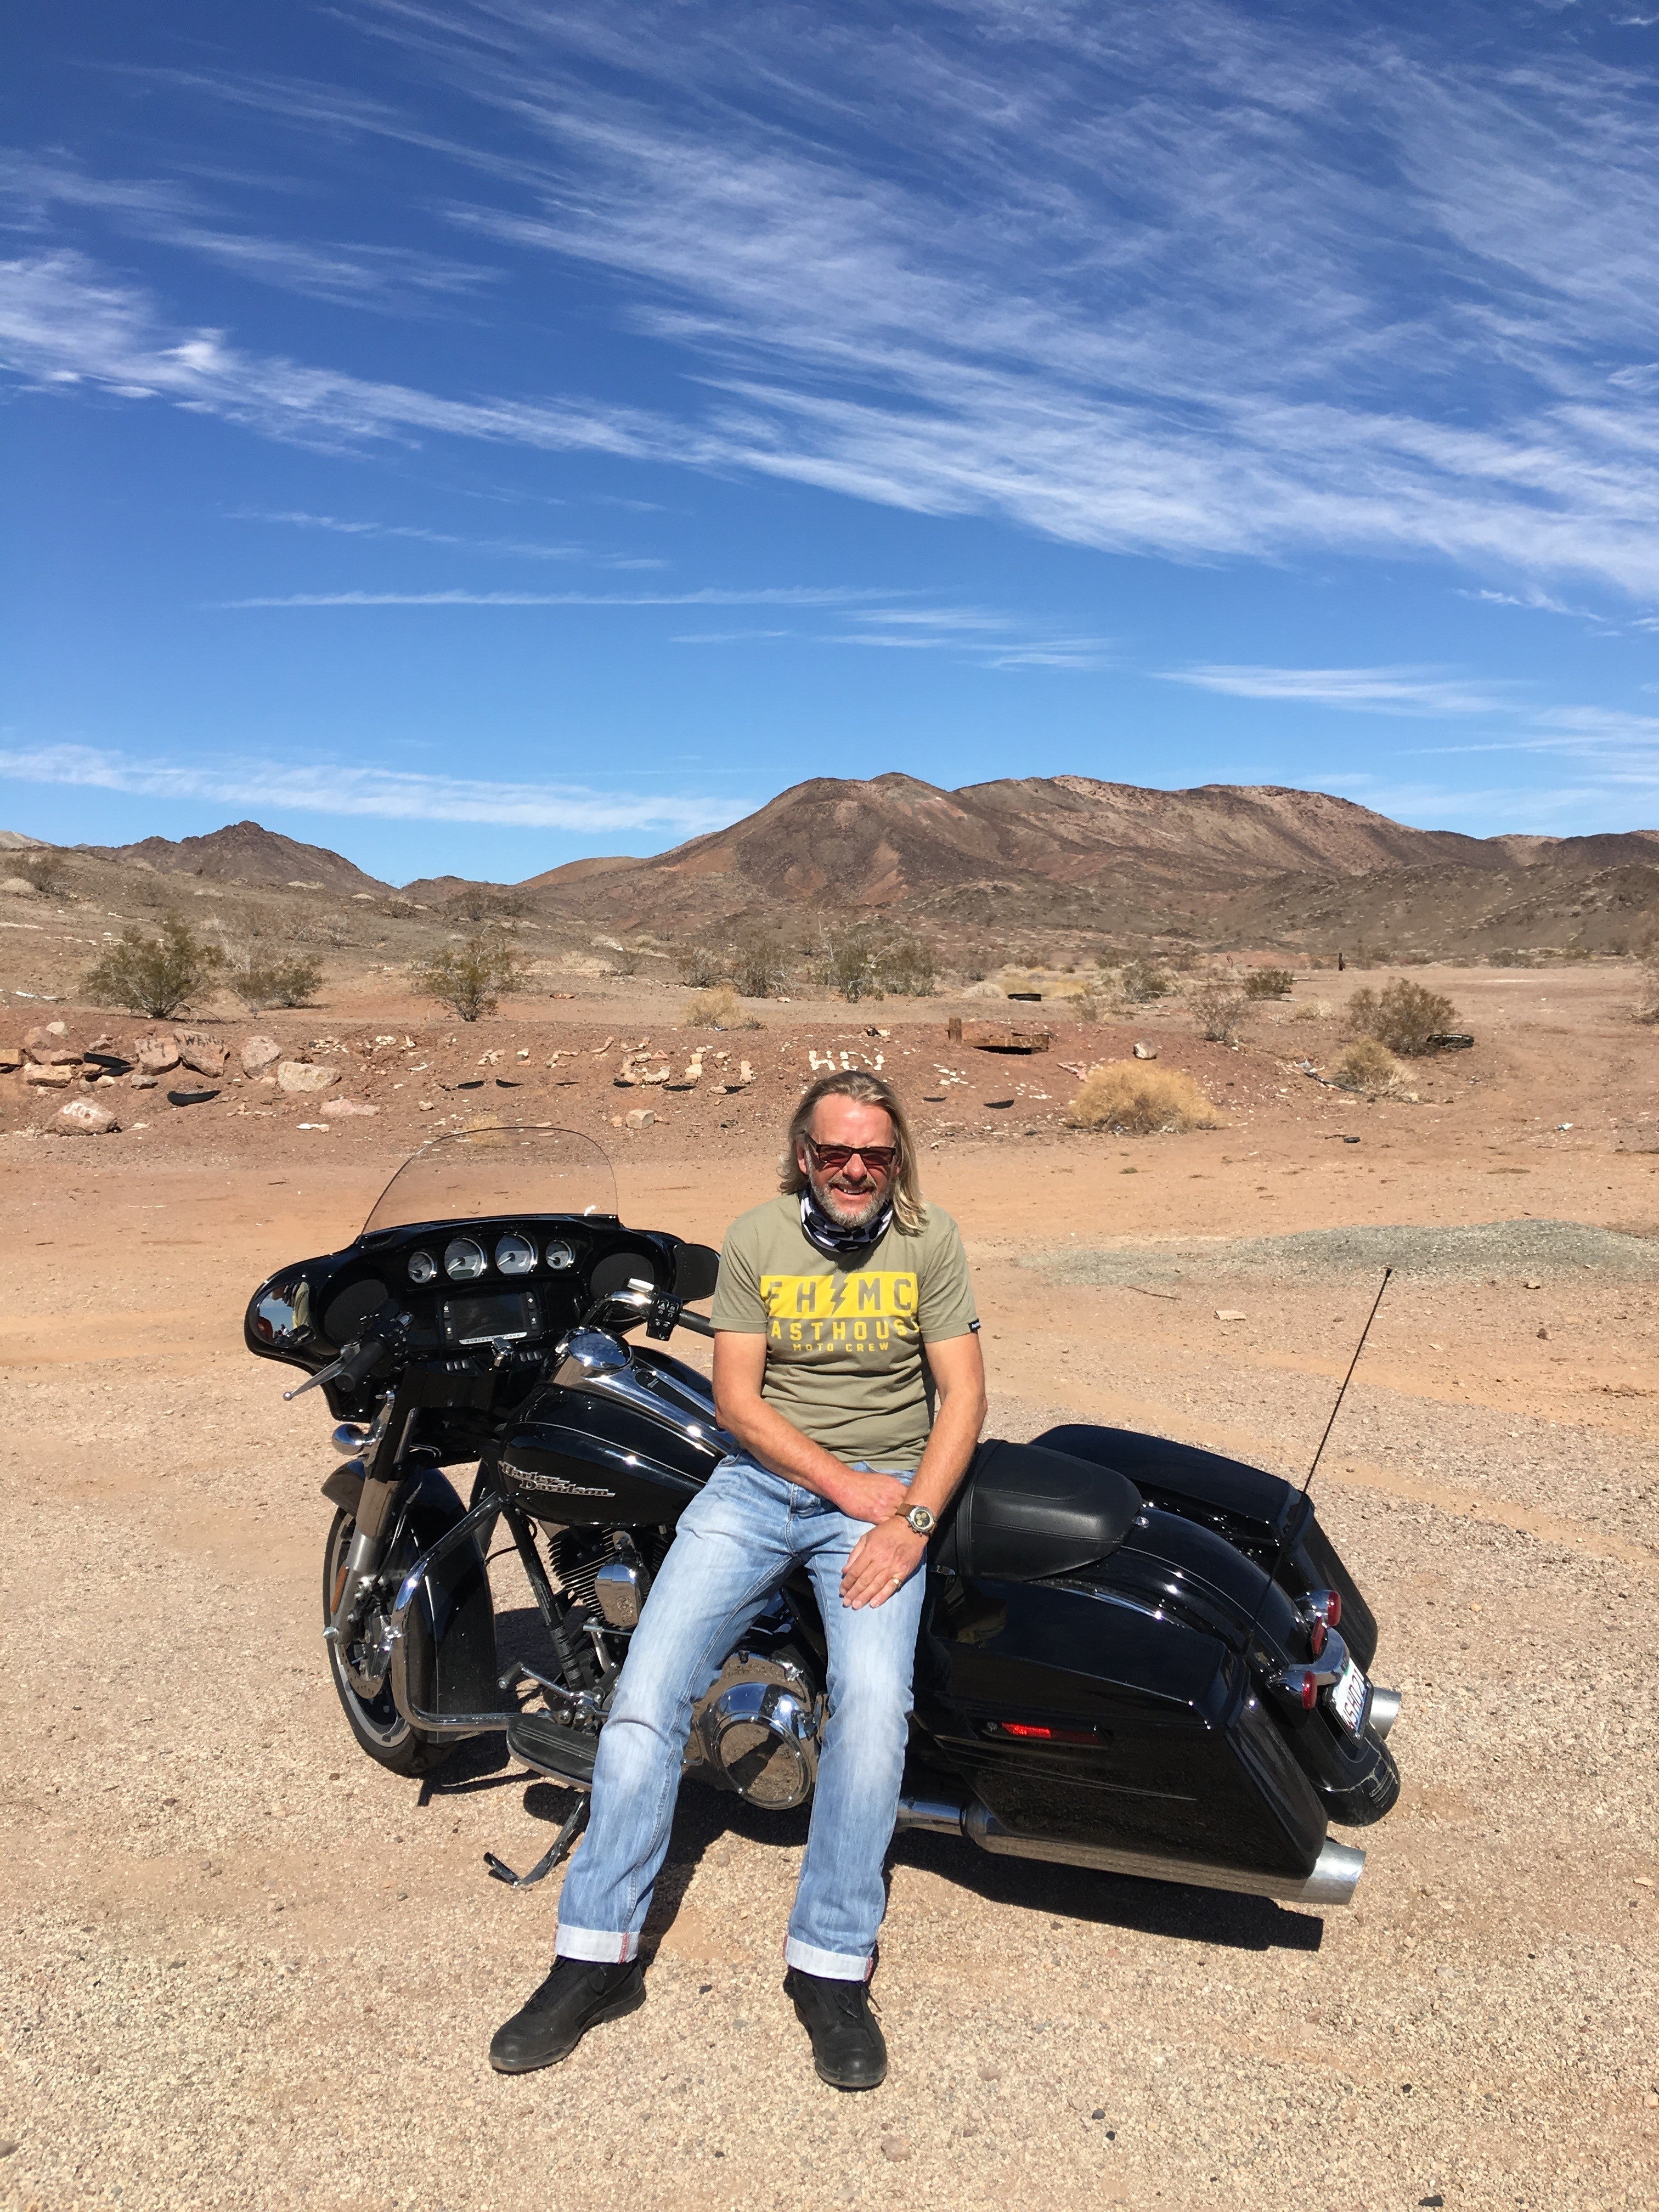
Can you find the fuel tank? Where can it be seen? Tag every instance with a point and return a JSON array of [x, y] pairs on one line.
[[578, 1462]]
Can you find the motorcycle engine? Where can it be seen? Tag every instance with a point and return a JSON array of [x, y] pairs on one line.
[[756, 1730]]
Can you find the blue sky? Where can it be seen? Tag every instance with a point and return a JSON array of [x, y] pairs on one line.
[[472, 435]]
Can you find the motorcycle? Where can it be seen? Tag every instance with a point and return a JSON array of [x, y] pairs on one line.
[[1134, 1655]]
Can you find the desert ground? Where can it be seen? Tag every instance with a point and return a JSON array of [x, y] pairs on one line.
[[244, 1967]]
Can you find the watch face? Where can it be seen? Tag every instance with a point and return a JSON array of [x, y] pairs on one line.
[[921, 1519]]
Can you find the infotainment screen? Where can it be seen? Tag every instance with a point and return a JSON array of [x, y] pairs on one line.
[[513, 1315]]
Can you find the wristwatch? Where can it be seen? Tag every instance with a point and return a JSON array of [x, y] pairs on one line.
[[922, 1519]]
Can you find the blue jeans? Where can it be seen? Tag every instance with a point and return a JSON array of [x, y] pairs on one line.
[[735, 1544]]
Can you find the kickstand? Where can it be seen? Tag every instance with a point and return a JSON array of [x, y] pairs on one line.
[[549, 1859]]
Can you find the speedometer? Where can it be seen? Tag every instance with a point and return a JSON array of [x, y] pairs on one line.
[[421, 1267], [559, 1256], [515, 1255], [463, 1261]]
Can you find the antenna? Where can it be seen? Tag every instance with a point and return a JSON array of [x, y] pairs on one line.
[[1284, 1541]]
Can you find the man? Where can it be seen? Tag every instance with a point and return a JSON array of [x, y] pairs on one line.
[[847, 1369]]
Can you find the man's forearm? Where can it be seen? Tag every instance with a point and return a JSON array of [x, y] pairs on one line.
[[957, 1420], [777, 1443]]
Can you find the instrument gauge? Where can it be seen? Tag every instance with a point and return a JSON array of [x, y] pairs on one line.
[[515, 1255], [421, 1267], [463, 1261], [559, 1257]]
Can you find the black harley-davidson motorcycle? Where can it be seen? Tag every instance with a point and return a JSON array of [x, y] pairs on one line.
[[1134, 1654]]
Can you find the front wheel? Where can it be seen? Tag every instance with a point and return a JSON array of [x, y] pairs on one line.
[[361, 1674]]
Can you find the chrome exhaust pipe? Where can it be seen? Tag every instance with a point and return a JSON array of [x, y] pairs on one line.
[[1334, 1878], [1384, 1712]]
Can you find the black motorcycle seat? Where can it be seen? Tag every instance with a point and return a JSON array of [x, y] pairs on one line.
[[1024, 1513]]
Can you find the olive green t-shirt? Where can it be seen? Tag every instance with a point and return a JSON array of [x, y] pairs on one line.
[[844, 1338]]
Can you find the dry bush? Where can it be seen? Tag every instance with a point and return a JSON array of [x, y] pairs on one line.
[[262, 982], [1267, 982], [1313, 1010], [1220, 1009], [760, 963], [1402, 1015], [1132, 1098], [718, 1009], [159, 976], [1646, 997], [470, 978], [907, 967], [483, 903], [1087, 1005], [1368, 1066], [1142, 980]]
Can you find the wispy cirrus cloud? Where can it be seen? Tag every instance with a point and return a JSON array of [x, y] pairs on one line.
[[1368, 691], [390, 795], [1182, 281], [780, 595], [515, 548]]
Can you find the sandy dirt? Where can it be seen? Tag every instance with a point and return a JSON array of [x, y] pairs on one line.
[[244, 1967]]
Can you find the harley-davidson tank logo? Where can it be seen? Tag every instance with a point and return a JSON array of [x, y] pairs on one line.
[[533, 1478]]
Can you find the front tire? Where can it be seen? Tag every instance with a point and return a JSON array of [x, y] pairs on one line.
[[380, 1727]]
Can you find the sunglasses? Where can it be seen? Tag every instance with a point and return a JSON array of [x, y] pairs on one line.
[[877, 1159]]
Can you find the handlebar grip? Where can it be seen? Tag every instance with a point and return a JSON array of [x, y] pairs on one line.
[[358, 1362], [695, 1322]]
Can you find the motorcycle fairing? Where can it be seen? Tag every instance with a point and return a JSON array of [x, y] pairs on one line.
[[449, 1636]]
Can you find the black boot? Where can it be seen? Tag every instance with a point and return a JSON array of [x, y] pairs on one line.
[[848, 2049], [575, 1996]]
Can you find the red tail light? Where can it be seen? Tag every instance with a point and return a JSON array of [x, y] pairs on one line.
[[1032, 1732], [1324, 1605], [1316, 1636], [1301, 1684]]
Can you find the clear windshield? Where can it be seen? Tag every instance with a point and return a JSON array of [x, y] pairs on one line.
[[471, 1174]]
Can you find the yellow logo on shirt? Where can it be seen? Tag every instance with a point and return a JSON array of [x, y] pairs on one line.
[[870, 1309]]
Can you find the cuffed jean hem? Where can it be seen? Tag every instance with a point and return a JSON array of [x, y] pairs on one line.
[[596, 1946], [834, 1966]]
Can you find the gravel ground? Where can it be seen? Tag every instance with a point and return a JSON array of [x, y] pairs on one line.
[[1475, 1252], [246, 1968]]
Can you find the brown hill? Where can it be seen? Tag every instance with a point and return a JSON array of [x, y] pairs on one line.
[[246, 852]]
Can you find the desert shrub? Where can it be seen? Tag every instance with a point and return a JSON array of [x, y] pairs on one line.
[[159, 975], [846, 962], [1133, 1098], [908, 967], [1367, 1066], [1142, 980], [469, 978], [760, 963], [318, 929], [1086, 1005], [1402, 1015], [701, 966], [45, 872], [1220, 1009], [263, 981], [624, 959], [1647, 997], [1312, 1010], [1267, 982], [399, 909], [718, 1009], [483, 902]]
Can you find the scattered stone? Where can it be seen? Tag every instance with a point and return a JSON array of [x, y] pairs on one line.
[[50, 1047], [1145, 1051], [82, 1117], [1532, 1283], [997, 1036], [206, 1055], [895, 2147], [142, 1079], [691, 1076], [1230, 1313], [343, 1106], [1543, 1336], [11, 1057], [640, 1118], [305, 1076], [58, 1075], [156, 1055], [259, 1055], [189, 1097]]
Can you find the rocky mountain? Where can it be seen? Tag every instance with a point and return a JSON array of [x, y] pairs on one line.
[[244, 852]]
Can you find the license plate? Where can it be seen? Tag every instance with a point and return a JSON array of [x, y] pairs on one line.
[[1348, 1694]]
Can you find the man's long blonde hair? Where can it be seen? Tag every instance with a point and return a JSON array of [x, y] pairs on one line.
[[905, 1186]]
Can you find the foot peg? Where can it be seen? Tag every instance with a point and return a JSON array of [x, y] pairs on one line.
[[563, 1754]]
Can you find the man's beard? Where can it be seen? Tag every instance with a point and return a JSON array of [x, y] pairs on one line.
[[843, 1208]]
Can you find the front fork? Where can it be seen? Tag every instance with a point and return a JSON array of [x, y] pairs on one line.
[[374, 1517]]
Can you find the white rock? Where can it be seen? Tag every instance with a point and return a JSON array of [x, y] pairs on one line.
[[338, 1108], [640, 1118], [80, 1117], [304, 1076], [1145, 1052], [259, 1055]]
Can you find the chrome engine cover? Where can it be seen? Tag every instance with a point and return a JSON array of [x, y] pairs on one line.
[[755, 1730]]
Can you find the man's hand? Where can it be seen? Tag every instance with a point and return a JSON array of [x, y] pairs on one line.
[[881, 1561], [866, 1496]]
